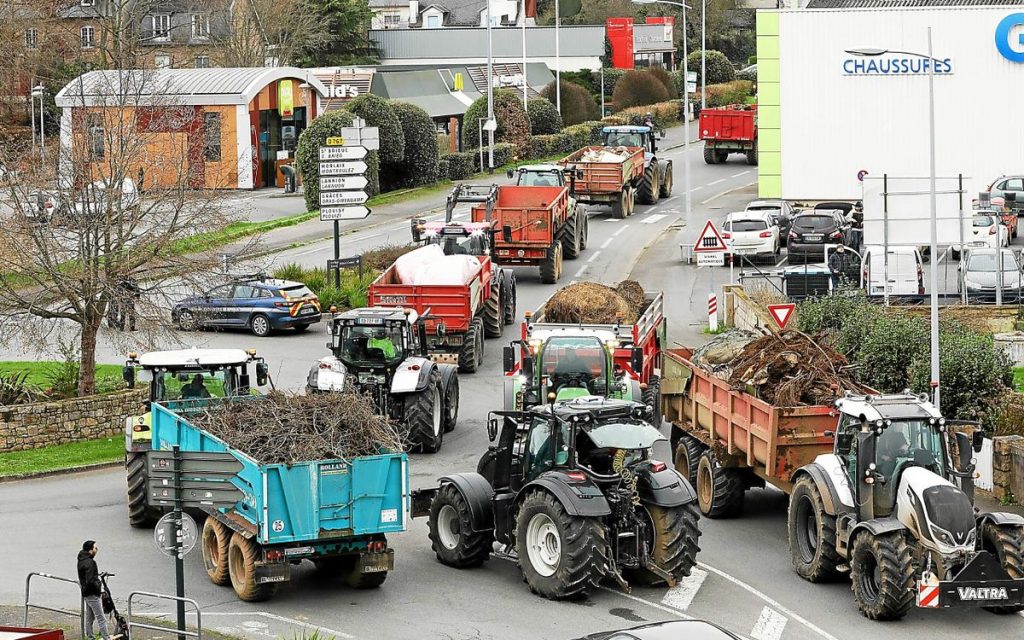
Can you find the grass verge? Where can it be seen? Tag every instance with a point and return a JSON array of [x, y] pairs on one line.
[[1018, 378], [39, 372], [61, 456], [235, 231]]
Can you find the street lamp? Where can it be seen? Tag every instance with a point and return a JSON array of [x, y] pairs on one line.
[[39, 91], [686, 108], [558, 62], [522, 16], [490, 93]]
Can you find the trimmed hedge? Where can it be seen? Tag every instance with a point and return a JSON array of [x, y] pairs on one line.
[[721, 95], [666, 79], [544, 117], [554, 144], [442, 167], [638, 88], [419, 165], [513, 123], [718, 66], [461, 165], [577, 103], [664, 113], [379, 113], [504, 152], [307, 153]]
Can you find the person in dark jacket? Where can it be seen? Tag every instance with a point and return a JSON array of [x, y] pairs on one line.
[[840, 263], [89, 580]]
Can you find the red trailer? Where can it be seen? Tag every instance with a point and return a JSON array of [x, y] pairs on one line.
[[535, 224], [726, 130], [607, 182]]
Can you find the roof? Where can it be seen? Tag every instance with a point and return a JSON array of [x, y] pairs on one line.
[[471, 42], [384, 313], [889, 407], [900, 4], [228, 85], [196, 358]]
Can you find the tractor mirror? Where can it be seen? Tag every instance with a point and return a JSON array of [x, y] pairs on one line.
[[128, 373], [843, 443], [637, 360], [511, 173], [561, 458], [506, 234], [492, 429], [977, 440], [262, 373], [508, 355]]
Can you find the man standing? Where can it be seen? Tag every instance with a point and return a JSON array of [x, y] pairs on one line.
[[89, 579], [839, 264]]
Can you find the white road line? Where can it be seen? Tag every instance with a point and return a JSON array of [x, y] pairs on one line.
[[594, 257], [741, 173], [607, 242], [779, 264], [769, 625], [272, 616], [651, 219], [720, 181], [640, 600], [580, 272], [719, 195], [620, 230], [792, 614], [681, 595]]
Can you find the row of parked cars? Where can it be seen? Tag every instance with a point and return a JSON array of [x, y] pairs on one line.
[[765, 226]]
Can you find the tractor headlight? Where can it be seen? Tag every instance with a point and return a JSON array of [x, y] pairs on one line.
[[972, 537], [942, 536]]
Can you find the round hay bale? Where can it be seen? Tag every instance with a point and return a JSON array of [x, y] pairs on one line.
[[588, 303], [633, 293]]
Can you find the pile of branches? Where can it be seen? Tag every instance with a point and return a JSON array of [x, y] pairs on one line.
[[593, 303], [283, 428], [791, 369]]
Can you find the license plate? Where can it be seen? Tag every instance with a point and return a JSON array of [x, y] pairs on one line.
[[977, 244], [306, 311], [375, 568], [813, 238]]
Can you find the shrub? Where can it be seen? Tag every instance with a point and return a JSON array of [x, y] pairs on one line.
[[460, 165], [747, 75], [638, 88], [379, 113], [611, 78], [544, 117], [513, 123], [307, 153], [721, 95], [718, 66], [577, 103], [1008, 416], [15, 389], [444, 146], [664, 113], [442, 167], [580, 134], [504, 152], [586, 78], [419, 164], [666, 79]]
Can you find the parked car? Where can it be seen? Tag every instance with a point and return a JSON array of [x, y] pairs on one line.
[[42, 207], [903, 276], [997, 206], [986, 230], [811, 231], [781, 211], [670, 630], [978, 270], [259, 305], [751, 233], [1010, 188]]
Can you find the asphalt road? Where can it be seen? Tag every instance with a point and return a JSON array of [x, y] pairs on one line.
[[745, 581]]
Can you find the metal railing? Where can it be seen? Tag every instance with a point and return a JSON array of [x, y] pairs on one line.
[[198, 633], [30, 605]]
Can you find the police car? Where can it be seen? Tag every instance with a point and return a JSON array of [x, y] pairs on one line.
[[260, 305]]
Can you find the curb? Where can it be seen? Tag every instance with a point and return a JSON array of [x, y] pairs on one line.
[[57, 472]]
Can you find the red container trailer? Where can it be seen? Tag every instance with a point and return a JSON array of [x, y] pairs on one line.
[[607, 182], [726, 130]]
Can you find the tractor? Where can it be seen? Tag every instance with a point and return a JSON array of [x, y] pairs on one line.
[[656, 181]]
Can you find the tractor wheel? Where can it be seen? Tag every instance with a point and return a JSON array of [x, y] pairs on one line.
[[666, 184], [812, 534], [710, 157], [1007, 543], [216, 539], [719, 489], [424, 416], [571, 243], [649, 188], [451, 531], [652, 398], [585, 233], [451, 404], [687, 458], [551, 268], [469, 359], [721, 157], [561, 556], [673, 542], [492, 313], [752, 154], [243, 554], [882, 572], [140, 514], [509, 311], [620, 208]]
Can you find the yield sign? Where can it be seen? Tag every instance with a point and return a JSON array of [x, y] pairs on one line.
[[709, 240], [781, 313]]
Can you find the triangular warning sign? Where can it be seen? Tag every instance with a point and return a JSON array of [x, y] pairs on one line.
[[781, 313], [709, 240]]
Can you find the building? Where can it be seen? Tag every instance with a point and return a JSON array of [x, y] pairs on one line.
[[216, 128], [644, 44], [843, 89], [416, 14]]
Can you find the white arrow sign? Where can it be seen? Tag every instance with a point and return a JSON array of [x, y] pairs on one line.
[[343, 153], [357, 212], [342, 197], [336, 183], [353, 168]]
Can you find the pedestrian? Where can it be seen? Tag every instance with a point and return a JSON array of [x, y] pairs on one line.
[[132, 294], [839, 265], [92, 589]]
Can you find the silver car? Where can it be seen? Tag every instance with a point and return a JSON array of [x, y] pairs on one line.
[[1013, 185], [978, 274]]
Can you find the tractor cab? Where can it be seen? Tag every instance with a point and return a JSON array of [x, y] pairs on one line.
[[630, 136], [462, 237], [188, 380], [374, 339]]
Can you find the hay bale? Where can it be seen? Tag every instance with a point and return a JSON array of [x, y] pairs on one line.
[[588, 303], [633, 293]]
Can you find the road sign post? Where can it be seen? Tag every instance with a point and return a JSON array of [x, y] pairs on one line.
[[179, 554], [346, 263], [712, 313], [342, 179]]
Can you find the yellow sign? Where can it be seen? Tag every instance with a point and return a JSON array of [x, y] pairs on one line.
[[335, 141], [458, 82], [285, 98]]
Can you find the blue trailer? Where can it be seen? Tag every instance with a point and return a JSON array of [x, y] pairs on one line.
[[336, 513]]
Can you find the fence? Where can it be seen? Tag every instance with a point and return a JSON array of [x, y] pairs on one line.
[[198, 633], [30, 605]]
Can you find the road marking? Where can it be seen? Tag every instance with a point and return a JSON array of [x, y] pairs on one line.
[[792, 614], [620, 230], [580, 272], [720, 181], [779, 263], [271, 616], [660, 607], [719, 195], [741, 173], [594, 257], [653, 218], [608, 242], [681, 595], [769, 625]]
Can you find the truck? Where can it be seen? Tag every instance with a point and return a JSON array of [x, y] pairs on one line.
[[880, 487], [621, 360], [536, 225], [726, 130]]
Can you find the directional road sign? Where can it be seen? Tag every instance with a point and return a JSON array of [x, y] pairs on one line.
[[341, 183], [781, 313], [328, 198], [709, 240], [357, 212], [343, 168], [165, 539], [343, 153]]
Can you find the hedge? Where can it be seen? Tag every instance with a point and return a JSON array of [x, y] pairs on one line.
[[721, 95], [551, 145], [419, 165], [638, 88], [666, 79], [513, 123], [664, 113], [611, 78], [307, 153], [379, 113], [461, 165], [544, 117], [718, 66], [577, 103], [443, 171]]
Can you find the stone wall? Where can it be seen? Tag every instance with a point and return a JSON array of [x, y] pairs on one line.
[[743, 313], [41, 424], [1008, 468]]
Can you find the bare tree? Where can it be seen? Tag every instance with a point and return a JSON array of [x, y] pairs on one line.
[[282, 30], [111, 229]]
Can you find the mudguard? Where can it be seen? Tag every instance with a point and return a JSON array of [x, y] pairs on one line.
[[579, 498], [412, 375], [448, 373], [666, 488], [664, 166], [1000, 518], [830, 496], [478, 495], [877, 527]]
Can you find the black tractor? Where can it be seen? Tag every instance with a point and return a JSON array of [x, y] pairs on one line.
[[570, 490]]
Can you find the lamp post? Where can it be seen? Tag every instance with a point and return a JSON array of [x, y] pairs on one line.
[[936, 395], [558, 62], [490, 92], [39, 91], [686, 109], [523, 17], [703, 52]]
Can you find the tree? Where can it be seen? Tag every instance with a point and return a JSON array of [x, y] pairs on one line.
[[346, 21], [544, 117], [585, 11], [377, 112], [719, 68], [107, 246], [307, 152], [419, 164], [288, 31], [577, 103], [638, 88], [513, 123]]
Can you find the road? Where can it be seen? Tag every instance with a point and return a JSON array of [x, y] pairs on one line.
[[744, 582]]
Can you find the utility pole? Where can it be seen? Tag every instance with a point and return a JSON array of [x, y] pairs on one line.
[[936, 395], [490, 92], [523, 16], [703, 52], [558, 62]]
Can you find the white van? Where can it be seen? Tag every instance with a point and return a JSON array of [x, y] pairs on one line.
[[905, 273]]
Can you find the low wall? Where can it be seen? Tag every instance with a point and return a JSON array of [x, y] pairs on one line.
[[1008, 468], [743, 313], [41, 424]]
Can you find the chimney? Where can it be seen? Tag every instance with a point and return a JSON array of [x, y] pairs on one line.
[[414, 11]]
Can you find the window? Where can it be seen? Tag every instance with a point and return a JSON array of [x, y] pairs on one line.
[[88, 37], [32, 37], [245, 292], [162, 61], [1014, 184], [392, 20], [88, 3], [202, 62], [160, 26], [433, 22], [200, 26], [95, 134], [211, 136]]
